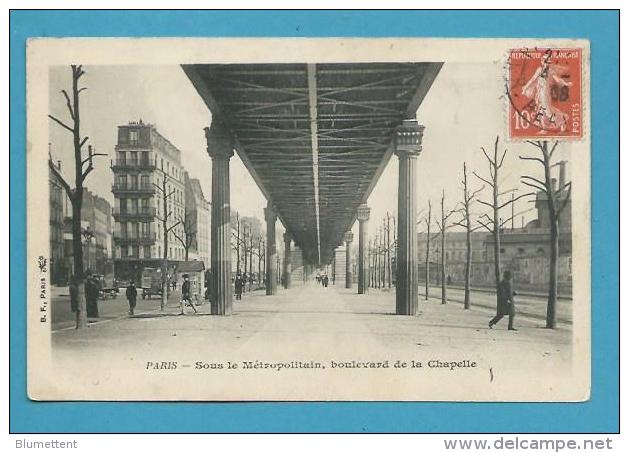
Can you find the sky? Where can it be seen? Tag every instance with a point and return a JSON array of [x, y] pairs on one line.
[[463, 111]]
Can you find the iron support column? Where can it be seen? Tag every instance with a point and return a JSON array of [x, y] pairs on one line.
[[287, 265], [348, 238], [271, 255], [363, 218], [220, 147], [408, 138]]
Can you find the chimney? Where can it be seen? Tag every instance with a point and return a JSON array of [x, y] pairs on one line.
[[562, 174]]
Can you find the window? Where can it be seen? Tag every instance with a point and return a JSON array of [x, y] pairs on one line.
[[134, 182], [521, 250], [145, 158], [144, 179], [134, 205], [133, 136], [502, 250], [147, 251], [122, 158], [133, 158]]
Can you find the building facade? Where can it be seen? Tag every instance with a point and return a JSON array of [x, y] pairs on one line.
[[149, 186], [58, 259], [197, 218]]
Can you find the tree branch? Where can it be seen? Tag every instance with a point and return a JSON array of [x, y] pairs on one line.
[[61, 123], [513, 200], [68, 103], [534, 186], [491, 184], [536, 159]]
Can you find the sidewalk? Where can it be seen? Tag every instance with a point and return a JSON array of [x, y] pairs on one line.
[[312, 323]]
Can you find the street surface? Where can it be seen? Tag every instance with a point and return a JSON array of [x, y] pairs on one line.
[[526, 306], [312, 323]]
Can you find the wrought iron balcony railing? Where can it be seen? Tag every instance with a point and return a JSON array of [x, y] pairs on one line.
[[133, 213], [148, 189]]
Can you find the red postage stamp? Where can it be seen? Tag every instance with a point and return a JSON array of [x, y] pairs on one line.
[[544, 91]]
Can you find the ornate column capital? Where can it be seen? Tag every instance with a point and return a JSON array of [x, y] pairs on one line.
[[408, 138], [362, 214], [269, 214], [348, 237], [219, 139]]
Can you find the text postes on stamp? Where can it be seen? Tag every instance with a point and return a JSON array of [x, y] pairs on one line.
[[544, 92]]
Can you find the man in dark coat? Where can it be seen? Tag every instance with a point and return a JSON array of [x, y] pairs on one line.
[[74, 299], [92, 290], [185, 294], [506, 304], [132, 295], [238, 284]]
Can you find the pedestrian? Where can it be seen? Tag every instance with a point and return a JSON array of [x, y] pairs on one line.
[[132, 295], [185, 294], [238, 284], [74, 299], [506, 303], [325, 280], [92, 292]]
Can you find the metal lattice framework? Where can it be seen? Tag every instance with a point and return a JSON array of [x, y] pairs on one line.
[[315, 138]]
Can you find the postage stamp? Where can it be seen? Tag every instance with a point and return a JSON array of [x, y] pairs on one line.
[[545, 93]]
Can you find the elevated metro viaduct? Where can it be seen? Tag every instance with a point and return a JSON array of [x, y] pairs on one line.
[[315, 138]]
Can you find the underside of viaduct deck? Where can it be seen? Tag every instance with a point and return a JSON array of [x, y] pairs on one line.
[[315, 138]]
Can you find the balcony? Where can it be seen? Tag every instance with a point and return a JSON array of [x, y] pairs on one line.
[[140, 213], [131, 165], [130, 238], [145, 189]]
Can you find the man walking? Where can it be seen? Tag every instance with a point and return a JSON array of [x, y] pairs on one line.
[[132, 295], [238, 284], [92, 291], [506, 304], [185, 294], [74, 299]]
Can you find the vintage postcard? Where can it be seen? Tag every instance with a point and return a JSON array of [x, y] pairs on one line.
[[308, 219]]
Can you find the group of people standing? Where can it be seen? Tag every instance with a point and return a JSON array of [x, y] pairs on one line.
[[92, 293], [323, 279]]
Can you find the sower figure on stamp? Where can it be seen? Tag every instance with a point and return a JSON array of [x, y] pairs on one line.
[[506, 303], [132, 295], [74, 299], [185, 294]]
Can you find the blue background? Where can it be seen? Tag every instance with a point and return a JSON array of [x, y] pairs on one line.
[[600, 414]]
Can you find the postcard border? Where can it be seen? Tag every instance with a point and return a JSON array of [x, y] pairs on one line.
[[594, 416]]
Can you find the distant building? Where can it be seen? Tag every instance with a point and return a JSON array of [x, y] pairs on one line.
[[58, 260], [96, 237], [525, 251], [198, 215], [144, 161]]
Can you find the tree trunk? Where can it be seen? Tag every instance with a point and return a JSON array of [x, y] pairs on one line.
[[77, 254], [428, 257], [551, 318], [444, 293], [468, 262]]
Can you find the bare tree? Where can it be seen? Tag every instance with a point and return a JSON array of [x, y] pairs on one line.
[[165, 194], [556, 200], [189, 234], [494, 223], [443, 226], [466, 222], [428, 221], [83, 166], [237, 240]]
